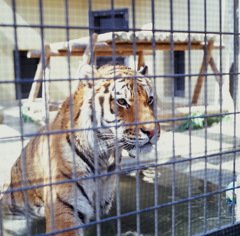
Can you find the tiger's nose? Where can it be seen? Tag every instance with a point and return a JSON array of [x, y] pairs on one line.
[[148, 132]]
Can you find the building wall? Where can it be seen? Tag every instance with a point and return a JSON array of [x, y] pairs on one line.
[[28, 13]]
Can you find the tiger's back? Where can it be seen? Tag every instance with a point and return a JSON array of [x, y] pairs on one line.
[[57, 167]]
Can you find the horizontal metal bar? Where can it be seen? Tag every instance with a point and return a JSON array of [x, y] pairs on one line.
[[121, 125], [124, 171], [116, 30], [17, 81]]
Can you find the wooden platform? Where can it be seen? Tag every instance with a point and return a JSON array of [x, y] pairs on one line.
[[126, 44]]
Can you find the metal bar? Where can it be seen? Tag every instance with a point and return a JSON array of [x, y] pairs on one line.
[[172, 46], [134, 46], [207, 56], [220, 82], [117, 151], [156, 193], [126, 170], [71, 112], [22, 155], [95, 153], [148, 76], [236, 85], [49, 26], [190, 125], [46, 110]]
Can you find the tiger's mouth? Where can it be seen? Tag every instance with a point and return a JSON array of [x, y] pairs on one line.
[[134, 150]]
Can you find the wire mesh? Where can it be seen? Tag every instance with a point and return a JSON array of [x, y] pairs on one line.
[[60, 183]]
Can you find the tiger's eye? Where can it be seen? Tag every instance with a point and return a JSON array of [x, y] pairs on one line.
[[122, 102]]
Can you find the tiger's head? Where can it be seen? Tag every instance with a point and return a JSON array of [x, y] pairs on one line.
[[123, 101]]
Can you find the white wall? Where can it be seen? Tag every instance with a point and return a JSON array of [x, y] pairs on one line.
[[28, 13]]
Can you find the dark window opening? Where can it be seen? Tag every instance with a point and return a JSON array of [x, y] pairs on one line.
[[108, 21], [27, 70], [179, 68]]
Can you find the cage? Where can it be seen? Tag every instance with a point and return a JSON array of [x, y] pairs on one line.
[[101, 78]]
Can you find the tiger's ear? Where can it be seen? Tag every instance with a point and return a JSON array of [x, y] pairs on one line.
[[143, 70], [87, 73]]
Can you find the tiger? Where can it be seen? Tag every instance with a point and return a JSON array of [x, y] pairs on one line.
[[67, 172]]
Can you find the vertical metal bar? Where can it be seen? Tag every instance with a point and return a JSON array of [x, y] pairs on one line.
[[136, 120], [221, 111], [205, 120], [95, 153], [236, 55], [155, 118], [117, 151], [236, 85], [190, 125], [74, 175], [22, 156], [1, 220], [173, 116], [43, 54]]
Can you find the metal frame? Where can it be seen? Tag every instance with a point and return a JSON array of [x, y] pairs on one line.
[[135, 46]]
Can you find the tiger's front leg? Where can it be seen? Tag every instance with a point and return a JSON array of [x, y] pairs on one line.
[[66, 212]]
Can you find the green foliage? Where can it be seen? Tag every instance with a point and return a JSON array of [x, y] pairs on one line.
[[198, 122], [26, 118]]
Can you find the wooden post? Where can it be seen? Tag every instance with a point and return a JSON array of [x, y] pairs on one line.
[[140, 60], [89, 49], [39, 75], [45, 91], [215, 69], [88, 52], [206, 59]]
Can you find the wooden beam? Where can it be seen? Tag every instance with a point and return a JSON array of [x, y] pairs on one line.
[[77, 49], [205, 62]]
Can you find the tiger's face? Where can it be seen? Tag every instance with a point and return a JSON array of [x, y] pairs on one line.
[[124, 105]]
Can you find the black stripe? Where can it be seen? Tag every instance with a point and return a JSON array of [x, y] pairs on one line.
[[106, 203], [77, 115], [123, 86], [110, 100], [80, 214], [13, 202], [111, 168], [79, 187], [107, 88], [101, 101], [81, 155], [91, 108]]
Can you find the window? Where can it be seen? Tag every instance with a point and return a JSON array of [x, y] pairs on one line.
[[27, 70], [108, 21], [179, 68]]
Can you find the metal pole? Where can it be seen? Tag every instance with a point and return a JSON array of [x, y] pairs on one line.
[[236, 53]]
